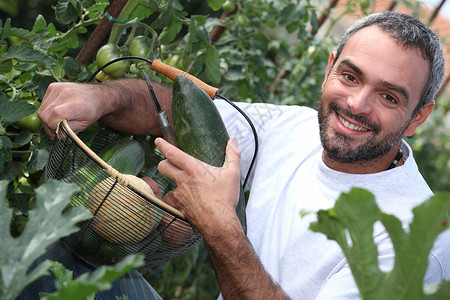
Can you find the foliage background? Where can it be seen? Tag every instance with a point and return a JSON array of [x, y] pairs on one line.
[[268, 52]]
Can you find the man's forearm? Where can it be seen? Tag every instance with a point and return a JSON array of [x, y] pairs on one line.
[[133, 110], [239, 271]]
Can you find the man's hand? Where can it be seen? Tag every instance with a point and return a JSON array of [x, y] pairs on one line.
[[206, 195], [78, 103]]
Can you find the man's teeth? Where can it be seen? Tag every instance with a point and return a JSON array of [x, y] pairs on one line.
[[351, 126]]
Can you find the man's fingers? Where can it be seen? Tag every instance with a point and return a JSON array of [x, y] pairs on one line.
[[176, 156], [233, 155]]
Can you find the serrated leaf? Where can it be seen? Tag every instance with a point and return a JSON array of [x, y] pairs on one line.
[[39, 23], [4, 30], [27, 54], [350, 223], [169, 33], [45, 226], [99, 280], [67, 11], [212, 68], [13, 111], [22, 33]]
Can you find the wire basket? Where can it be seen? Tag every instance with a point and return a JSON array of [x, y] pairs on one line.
[[127, 218]]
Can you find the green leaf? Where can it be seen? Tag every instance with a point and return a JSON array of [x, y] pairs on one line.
[[169, 33], [143, 10], [5, 143], [350, 223], [39, 24], [71, 67], [63, 44], [216, 4], [23, 33], [99, 280], [212, 68], [67, 11], [42, 84], [38, 159], [45, 226], [4, 30], [166, 17], [23, 138], [13, 111], [5, 66], [28, 54]]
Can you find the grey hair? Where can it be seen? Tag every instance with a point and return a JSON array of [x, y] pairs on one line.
[[410, 33]]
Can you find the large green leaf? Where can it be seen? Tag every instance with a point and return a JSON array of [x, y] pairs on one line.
[[13, 111], [45, 226], [88, 284], [27, 54], [353, 217]]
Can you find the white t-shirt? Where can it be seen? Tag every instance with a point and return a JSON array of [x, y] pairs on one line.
[[289, 177]]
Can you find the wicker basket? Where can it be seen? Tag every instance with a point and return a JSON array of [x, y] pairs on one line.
[[127, 218]]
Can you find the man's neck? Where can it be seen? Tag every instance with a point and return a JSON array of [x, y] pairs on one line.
[[376, 165]]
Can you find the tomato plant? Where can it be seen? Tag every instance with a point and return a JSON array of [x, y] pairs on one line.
[[140, 46], [108, 53]]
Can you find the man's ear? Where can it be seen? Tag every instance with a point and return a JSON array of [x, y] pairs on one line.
[[330, 63], [420, 117]]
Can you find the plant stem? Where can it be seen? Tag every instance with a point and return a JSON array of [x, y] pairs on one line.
[[117, 28], [99, 33]]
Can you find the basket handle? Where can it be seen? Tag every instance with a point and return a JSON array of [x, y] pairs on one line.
[[116, 174], [172, 72]]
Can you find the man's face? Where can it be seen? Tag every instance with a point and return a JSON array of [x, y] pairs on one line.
[[368, 99]]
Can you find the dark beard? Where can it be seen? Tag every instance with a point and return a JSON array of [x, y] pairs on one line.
[[339, 146]]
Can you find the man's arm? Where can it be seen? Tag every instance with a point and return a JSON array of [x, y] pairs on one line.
[[123, 104], [208, 196]]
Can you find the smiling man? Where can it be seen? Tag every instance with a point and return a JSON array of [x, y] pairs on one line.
[[369, 101], [379, 86]]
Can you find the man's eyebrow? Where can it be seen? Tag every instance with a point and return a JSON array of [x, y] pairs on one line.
[[349, 64], [388, 85], [396, 88]]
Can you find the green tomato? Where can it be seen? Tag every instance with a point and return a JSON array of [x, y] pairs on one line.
[[241, 21], [175, 61], [228, 6], [140, 46], [106, 54], [31, 123]]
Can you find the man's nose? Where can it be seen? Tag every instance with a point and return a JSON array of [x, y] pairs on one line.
[[360, 101]]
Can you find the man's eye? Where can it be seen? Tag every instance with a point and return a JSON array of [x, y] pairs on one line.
[[389, 98], [350, 77]]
